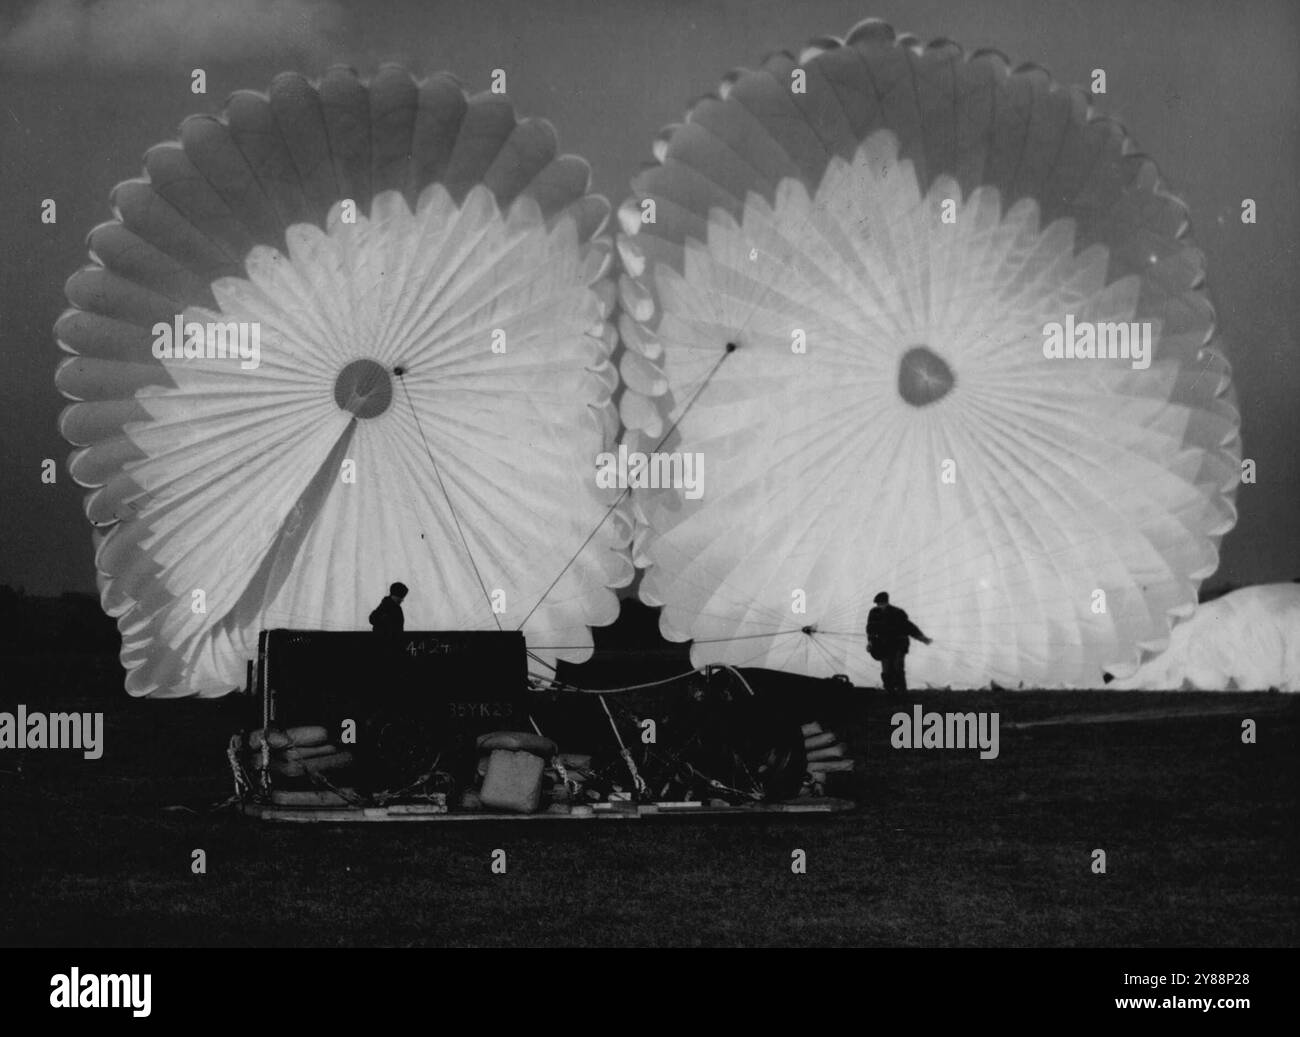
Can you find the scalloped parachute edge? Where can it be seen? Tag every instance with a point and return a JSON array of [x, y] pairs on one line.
[[646, 415], [135, 266]]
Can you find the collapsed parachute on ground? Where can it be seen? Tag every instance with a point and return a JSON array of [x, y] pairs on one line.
[[428, 281], [1247, 640], [839, 276]]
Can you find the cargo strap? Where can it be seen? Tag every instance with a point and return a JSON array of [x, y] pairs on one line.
[[561, 772], [242, 784], [638, 782]]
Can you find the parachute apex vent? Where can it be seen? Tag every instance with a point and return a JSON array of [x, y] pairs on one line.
[[924, 376], [364, 388]]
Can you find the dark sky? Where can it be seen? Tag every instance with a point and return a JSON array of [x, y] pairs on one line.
[[1207, 88]]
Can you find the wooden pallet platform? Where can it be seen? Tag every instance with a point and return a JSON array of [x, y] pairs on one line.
[[406, 812]]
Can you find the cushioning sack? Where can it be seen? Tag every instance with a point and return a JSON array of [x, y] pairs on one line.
[[519, 740], [302, 736], [297, 768], [306, 752], [513, 781]]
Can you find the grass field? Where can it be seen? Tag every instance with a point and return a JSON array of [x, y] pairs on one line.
[[1200, 833]]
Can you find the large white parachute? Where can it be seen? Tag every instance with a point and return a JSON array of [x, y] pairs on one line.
[[1247, 640], [842, 272], [426, 281]]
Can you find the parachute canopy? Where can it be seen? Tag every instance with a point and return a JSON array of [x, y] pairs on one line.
[[344, 334], [1247, 640], [843, 276]]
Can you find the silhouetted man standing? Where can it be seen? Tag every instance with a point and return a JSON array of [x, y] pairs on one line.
[[387, 618], [390, 714], [888, 636], [388, 624]]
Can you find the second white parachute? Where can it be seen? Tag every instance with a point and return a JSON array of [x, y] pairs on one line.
[[839, 276]]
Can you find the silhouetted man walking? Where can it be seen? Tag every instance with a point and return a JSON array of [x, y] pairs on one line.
[[889, 634]]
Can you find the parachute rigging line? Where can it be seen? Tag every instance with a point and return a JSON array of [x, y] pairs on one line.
[[730, 348], [565, 686], [538, 659], [401, 377], [637, 781]]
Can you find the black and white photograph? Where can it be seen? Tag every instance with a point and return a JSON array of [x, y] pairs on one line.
[[555, 474]]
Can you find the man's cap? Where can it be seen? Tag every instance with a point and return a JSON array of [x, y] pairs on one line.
[[398, 590], [881, 598]]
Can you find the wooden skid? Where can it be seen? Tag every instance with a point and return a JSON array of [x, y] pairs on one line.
[[614, 812]]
